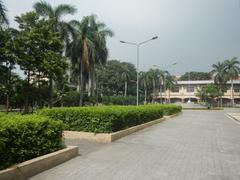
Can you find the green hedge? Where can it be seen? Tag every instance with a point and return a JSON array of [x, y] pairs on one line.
[[170, 109], [107, 119], [26, 137]]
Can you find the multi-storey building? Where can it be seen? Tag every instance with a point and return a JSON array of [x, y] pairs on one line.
[[184, 91]]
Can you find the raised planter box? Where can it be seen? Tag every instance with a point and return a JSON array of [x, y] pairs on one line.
[[110, 137], [29, 168]]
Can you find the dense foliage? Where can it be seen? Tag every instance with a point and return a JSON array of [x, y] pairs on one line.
[[118, 100], [26, 137], [195, 76], [106, 119]]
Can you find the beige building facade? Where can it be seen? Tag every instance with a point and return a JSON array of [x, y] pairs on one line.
[[185, 91]]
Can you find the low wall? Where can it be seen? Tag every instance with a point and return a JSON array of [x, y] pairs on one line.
[[108, 138], [27, 169]]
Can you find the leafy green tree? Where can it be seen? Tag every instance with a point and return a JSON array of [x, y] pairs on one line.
[[110, 82], [7, 62], [212, 91], [3, 15], [196, 76], [39, 51], [201, 93], [232, 70]]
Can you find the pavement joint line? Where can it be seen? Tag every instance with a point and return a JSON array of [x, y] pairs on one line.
[[140, 144], [233, 119]]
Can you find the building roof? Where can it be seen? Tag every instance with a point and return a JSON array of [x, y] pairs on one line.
[[203, 82]]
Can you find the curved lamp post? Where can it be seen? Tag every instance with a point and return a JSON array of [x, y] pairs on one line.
[[138, 47]]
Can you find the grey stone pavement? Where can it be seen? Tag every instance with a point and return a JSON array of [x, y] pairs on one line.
[[197, 145]]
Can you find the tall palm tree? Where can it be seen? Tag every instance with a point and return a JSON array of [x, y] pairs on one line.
[[232, 70], [100, 32], [45, 9], [170, 81], [3, 15], [87, 49], [154, 75], [144, 79], [220, 77], [125, 76]]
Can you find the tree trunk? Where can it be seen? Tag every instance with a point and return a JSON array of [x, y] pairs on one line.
[[26, 105], [81, 85], [50, 92], [7, 103], [125, 90], [7, 95], [93, 80], [145, 93], [232, 93], [154, 91]]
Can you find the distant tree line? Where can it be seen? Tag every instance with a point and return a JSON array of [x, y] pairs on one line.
[[65, 64]]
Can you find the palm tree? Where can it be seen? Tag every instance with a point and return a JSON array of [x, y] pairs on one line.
[[154, 75], [100, 32], [125, 77], [232, 71], [170, 81], [144, 79], [87, 48], [3, 15], [220, 77], [44, 9]]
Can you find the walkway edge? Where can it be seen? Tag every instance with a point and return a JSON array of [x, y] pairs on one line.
[[110, 137], [27, 169], [234, 116]]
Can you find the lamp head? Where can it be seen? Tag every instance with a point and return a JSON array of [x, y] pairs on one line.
[[155, 37], [122, 42]]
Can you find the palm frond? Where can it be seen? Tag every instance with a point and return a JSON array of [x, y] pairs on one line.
[[64, 9], [43, 8], [3, 15]]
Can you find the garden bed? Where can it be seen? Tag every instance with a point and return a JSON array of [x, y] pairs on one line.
[[110, 137], [108, 119]]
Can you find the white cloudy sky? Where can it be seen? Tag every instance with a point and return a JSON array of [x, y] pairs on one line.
[[194, 33]]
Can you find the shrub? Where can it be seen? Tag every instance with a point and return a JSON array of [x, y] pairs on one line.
[[107, 119], [26, 137], [171, 109]]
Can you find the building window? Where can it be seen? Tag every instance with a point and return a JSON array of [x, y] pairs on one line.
[[237, 90], [175, 89], [190, 89]]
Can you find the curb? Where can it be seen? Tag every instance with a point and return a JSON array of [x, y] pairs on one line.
[[233, 117], [29, 168]]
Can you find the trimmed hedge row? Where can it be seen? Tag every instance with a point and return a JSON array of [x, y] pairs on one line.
[[107, 119], [23, 137], [170, 109]]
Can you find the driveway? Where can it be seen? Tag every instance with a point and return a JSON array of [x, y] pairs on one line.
[[197, 145]]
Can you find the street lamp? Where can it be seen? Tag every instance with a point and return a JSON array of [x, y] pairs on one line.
[[164, 79], [138, 47]]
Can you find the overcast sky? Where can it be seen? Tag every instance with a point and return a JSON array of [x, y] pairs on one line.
[[193, 33]]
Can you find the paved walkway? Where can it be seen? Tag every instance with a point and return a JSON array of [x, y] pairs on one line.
[[197, 145]]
